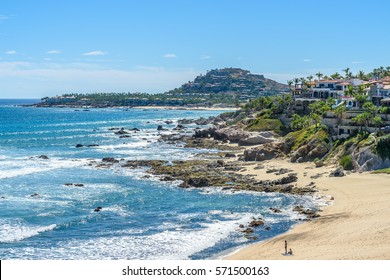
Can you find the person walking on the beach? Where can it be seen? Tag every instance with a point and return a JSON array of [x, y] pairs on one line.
[[285, 247]]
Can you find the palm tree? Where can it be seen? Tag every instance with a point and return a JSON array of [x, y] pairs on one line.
[[296, 82], [376, 73], [335, 76], [309, 78], [289, 83], [382, 71], [319, 75], [340, 110], [346, 70], [303, 81], [388, 71], [361, 75]]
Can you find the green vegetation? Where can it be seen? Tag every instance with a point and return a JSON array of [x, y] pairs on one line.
[[231, 80], [296, 139], [299, 123], [385, 171], [346, 162], [376, 73], [260, 124], [268, 110], [382, 148]]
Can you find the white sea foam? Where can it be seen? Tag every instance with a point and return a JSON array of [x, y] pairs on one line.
[[11, 231], [169, 244], [25, 166]]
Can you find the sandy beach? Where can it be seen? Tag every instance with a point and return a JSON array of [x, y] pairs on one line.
[[355, 225]]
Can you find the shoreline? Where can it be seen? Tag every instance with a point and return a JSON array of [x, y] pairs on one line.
[[148, 107], [356, 225]]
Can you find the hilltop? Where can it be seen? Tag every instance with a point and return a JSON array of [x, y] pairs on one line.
[[232, 80]]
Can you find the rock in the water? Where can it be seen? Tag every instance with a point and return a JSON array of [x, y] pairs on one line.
[[256, 223], [196, 182], [110, 160], [122, 131], [93, 145], [247, 230], [79, 185], [179, 127], [79, 145], [161, 128], [43, 157], [230, 155], [275, 210], [98, 209]]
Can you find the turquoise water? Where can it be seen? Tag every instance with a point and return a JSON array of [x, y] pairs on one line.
[[142, 218]]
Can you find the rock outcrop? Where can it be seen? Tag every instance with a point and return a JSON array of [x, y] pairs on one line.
[[364, 159], [310, 151], [264, 152]]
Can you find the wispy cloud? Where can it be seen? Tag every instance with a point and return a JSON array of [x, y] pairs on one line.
[[307, 60], [54, 52], [205, 57], [10, 52], [170, 55], [92, 53], [3, 17], [358, 62]]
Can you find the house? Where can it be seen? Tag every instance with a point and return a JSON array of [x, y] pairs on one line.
[[380, 91], [324, 89]]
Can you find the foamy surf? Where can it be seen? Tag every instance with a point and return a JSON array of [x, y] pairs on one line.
[[12, 231]]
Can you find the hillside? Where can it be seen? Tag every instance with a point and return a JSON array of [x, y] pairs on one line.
[[231, 80], [228, 87]]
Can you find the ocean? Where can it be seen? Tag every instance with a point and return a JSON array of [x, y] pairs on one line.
[[141, 218]]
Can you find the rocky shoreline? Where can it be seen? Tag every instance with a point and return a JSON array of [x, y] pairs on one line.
[[223, 166]]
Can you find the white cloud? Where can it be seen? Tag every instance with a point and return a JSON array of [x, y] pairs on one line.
[[95, 53], [10, 52], [47, 59], [54, 52], [307, 60], [3, 17], [205, 57], [169, 55]]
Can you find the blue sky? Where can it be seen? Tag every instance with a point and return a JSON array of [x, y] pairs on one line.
[[54, 47]]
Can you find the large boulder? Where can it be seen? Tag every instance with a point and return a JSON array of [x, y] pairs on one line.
[[364, 159], [338, 172], [232, 133], [312, 150], [255, 140], [264, 152], [204, 133]]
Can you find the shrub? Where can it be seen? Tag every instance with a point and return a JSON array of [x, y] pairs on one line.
[[383, 147], [346, 162], [265, 125]]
